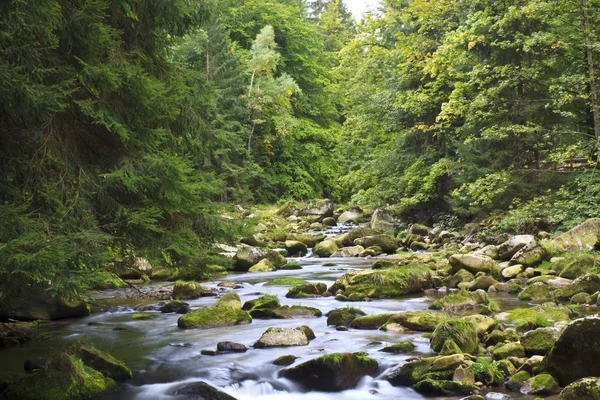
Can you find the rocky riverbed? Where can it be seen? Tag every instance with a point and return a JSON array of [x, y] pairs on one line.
[[327, 303]]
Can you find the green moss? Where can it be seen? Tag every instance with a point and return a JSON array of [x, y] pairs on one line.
[[374, 321], [285, 360], [343, 316], [296, 311], [539, 316], [185, 290], [229, 299], [520, 377], [463, 333], [262, 307], [307, 290], [509, 350], [212, 317], [444, 387], [64, 377], [102, 362], [401, 347], [486, 370], [291, 265], [105, 280], [422, 321], [286, 281]]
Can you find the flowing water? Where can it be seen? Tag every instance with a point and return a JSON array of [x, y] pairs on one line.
[[164, 357]]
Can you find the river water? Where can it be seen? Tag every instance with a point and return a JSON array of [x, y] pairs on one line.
[[164, 357]]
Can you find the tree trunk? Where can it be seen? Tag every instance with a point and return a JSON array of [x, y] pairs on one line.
[[591, 69]]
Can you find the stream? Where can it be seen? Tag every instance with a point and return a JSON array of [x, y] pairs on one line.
[[164, 357]]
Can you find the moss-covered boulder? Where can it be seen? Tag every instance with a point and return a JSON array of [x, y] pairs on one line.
[[483, 324], [517, 380], [262, 307], [37, 304], [307, 290], [511, 271], [332, 372], [187, 290], [536, 291], [462, 333], [248, 256], [586, 388], [483, 282], [474, 264], [512, 246], [501, 336], [201, 390], [584, 284], [405, 346], [384, 283], [285, 360], [529, 257], [387, 243], [507, 350], [295, 248], [459, 277], [175, 306], [297, 311], [16, 333], [374, 321], [291, 265], [574, 266], [420, 321], [282, 337], [409, 373], [263, 265], [539, 341], [343, 316], [542, 384], [434, 387], [540, 316], [583, 237], [350, 251], [576, 353], [325, 248], [459, 301], [79, 372], [226, 312]]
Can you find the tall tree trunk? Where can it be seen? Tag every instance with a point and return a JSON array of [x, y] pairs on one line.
[[591, 69]]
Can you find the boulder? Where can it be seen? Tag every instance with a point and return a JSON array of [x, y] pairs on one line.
[[587, 284], [226, 312], [474, 264], [39, 305], [325, 249], [231, 347], [352, 251], [418, 229], [387, 243], [16, 333], [285, 360], [536, 291], [585, 388], [405, 346], [374, 321], [295, 248], [290, 312], [318, 211], [248, 256], [583, 237], [306, 291], [175, 306], [508, 350], [352, 215], [573, 267], [483, 282], [576, 353], [343, 316], [529, 257], [420, 321], [444, 387], [462, 333], [283, 337], [184, 290], [511, 272], [542, 384], [508, 249], [201, 391], [357, 233], [539, 341], [262, 307], [382, 221], [263, 265], [332, 372]]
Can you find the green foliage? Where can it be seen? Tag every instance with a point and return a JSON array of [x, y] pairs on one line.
[[487, 371]]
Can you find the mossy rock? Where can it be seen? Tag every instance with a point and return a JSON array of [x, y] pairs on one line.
[[501, 336], [459, 301], [175, 306], [325, 249], [586, 388], [285, 360], [463, 333], [291, 265], [343, 316], [384, 283], [535, 291], [374, 321], [387, 243], [459, 277], [284, 337], [214, 317], [574, 266], [483, 324], [420, 321], [184, 290], [540, 316], [332, 372], [542, 384], [262, 307], [584, 284], [263, 265], [517, 380], [229, 299], [409, 373], [102, 362], [138, 316], [581, 298], [288, 312], [483, 282], [405, 346], [539, 341], [474, 264], [276, 259], [309, 240], [306, 290], [507, 350], [201, 390], [286, 281], [444, 387], [583, 237]]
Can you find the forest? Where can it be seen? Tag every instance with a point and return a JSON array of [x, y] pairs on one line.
[[146, 141]]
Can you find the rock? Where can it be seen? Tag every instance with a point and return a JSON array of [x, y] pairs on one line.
[[497, 396], [474, 264], [461, 276], [332, 372], [462, 333], [282, 337], [490, 251], [573, 267], [285, 360], [353, 251], [40, 306], [511, 272], [231, 347], [529, 257], [586, 388], [343, 316], [382, 221], [329, 221], [542, 384], [295, 248], [444, 387], [226, 312], [318, 211], [421, 321], [325, 249], [202, 391], [483, 282], [517, 380], [447, 363], [508, 249], [352, 215], [405, 346], [309, 240], [583, 237], [175, 306], [387, 243], [263, 265], [102, 362], [458, 301], [581, 298], [535, 317], [536, 291], [508, 350], [374, 321], [483, 324], [291, 265], [289, 312], [262, 307], [587, 284], [576, 353], [248, 256], [390, 282], [307, 290], [409, 373], [539, 341], [418, 229], [184, 290], [16, 333]]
